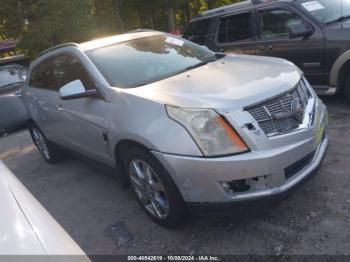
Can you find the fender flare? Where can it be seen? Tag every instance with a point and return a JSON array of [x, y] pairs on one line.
[[337, 66]]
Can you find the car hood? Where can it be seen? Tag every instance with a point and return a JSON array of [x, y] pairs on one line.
[[232, 82]]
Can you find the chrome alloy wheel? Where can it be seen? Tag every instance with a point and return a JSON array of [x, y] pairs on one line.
[[41, 143], [148, 188]]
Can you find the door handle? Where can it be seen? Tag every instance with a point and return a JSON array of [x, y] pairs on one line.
[[59, 107], [262, 48], [270, 47]]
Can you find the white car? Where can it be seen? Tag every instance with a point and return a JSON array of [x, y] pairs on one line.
[[26, 228]]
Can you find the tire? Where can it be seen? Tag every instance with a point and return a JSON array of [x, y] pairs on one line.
[[156, 192], [47, 150], [2, 131], [346, 89]]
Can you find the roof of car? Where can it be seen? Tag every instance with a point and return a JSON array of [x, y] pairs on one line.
[[239, 5], [105, 41]]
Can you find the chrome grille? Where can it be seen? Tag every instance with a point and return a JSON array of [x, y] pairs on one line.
[[283, 113]]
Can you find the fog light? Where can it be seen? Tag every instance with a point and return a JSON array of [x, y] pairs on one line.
[[236, 186]]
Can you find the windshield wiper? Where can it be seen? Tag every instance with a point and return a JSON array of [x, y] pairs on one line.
[[11, 84], [339, 19], [213, 59], [197, 65]]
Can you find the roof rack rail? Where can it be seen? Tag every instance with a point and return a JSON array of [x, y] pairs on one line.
[[57, 47], [224, 8], [235, 5]]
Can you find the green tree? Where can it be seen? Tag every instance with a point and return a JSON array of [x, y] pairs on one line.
[[39, 24]]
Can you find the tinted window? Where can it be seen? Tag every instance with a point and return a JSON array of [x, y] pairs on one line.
[[198, 32], [42, 75], [276, 23], [55, 72], [146, 60], [236, 28], [69, 68]]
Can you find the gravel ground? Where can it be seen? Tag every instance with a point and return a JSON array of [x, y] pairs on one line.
[[93, 208]]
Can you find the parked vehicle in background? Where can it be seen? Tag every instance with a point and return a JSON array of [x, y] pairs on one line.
[[314, 35], [26, 228], [193, 129], [13, 113]]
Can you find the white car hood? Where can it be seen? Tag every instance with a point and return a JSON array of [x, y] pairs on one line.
[[228, 83], [26, 228]]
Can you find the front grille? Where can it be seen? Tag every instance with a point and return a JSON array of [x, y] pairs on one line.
[[299, 165], [283, 113]]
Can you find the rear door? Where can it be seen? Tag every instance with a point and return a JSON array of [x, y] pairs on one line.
[[273, 30], [236, 33]]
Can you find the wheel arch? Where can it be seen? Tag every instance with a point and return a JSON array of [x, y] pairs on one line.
[[340, 67], [123, 145]]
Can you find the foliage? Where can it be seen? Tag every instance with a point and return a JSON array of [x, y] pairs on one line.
[[39, 24]]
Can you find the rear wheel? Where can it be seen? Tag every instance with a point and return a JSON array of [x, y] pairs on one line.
[[47, 150], [154, 189]]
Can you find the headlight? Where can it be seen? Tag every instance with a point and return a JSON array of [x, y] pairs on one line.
[[213, 135]]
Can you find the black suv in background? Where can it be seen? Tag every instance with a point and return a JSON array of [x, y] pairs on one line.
[[313, 34]]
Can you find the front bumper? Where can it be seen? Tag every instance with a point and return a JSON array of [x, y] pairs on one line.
[[269, 172], [264, 197]]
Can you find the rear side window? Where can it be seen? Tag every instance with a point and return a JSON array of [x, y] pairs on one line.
[[198, 31], [275, 23], [235, 28]]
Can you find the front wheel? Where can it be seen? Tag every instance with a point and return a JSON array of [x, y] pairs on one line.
[[49, 152], [154, 189]]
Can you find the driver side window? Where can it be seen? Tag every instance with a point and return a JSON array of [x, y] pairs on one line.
[[275, 23], [68, 68]]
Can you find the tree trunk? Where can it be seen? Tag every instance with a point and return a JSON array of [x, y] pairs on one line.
[[120, 21], [187, 11], [171, 16]]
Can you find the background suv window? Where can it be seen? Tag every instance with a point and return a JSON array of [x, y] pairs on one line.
[[275, 23], [236, 28], [198, 31]]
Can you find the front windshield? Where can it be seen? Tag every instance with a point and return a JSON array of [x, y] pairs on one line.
[[326, 11], [146, 60], [12, 74]]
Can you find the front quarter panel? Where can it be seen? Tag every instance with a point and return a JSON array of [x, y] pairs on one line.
[[145, 121]]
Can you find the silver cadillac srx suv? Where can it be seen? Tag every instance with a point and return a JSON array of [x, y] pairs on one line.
[[194, 130]]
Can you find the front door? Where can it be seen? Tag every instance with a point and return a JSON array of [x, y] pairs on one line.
[[305, 52], [82, 121]]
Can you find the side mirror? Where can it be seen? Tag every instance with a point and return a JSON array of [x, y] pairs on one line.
[[300, 30], [75, 90]]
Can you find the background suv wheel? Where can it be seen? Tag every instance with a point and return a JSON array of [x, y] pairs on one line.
[[47, 150]]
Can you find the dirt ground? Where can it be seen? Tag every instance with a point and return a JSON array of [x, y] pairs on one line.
[[105, 219]]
